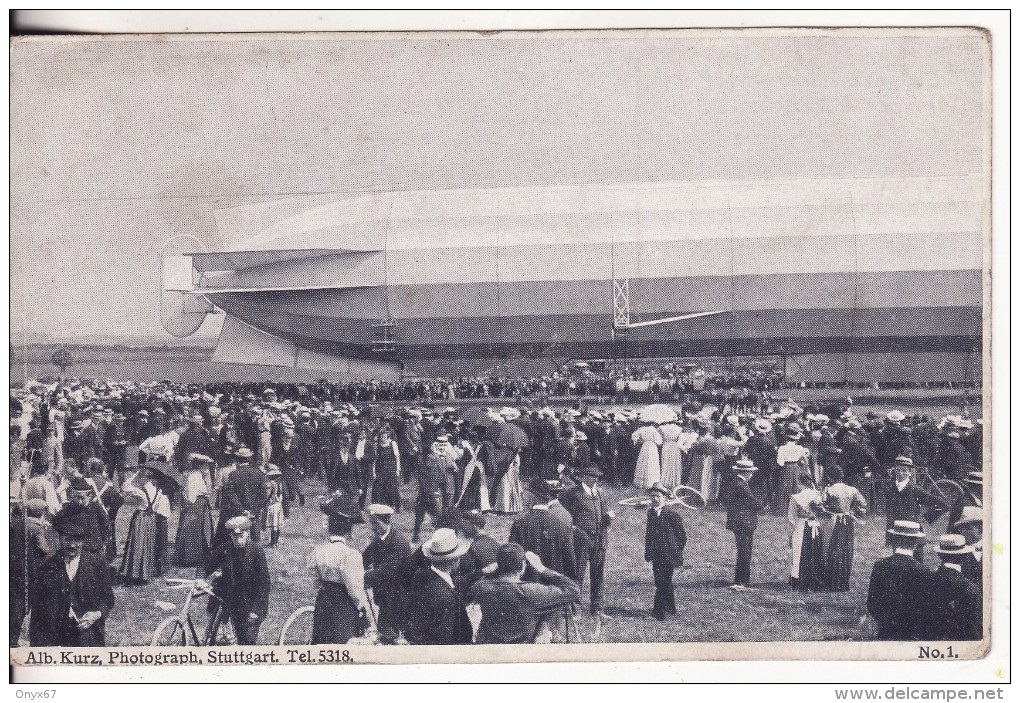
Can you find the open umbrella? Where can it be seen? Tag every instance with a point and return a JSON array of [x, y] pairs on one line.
[[511, 436], [477, 416], [658, 413]]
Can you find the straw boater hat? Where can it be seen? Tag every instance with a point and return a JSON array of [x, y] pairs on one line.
[[895, 417], [975, 477], [762, 425], [378, 510], [906, 528], [903, 461], [953, 545], [241, 523], [744, 466], [510, 413], [244, 453], [444, 546]]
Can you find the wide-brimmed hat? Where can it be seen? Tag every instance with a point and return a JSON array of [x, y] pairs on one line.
[[273, 470], [906, 528], [510, 413], [244, 453], [970, 515], [953, 545], [342, 504], [762, 425], [196, 457], [444, 546]]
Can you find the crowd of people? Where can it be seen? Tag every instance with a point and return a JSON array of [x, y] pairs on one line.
[[233, 461]]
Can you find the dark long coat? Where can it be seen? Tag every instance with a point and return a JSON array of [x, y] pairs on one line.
[[590, 514], [53, 595], [742, 508], [539, 532], [954, 608], [244, 581], [437, 614], [896, 597]]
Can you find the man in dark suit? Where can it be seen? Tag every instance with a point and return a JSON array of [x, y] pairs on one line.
[[240, 577], [898, 584], [542, 533], [665, 540], [437, 614], [953, 609], [382, 564], [742, 508], [244, 492], [906, 500], [73, 594], [587, 504]]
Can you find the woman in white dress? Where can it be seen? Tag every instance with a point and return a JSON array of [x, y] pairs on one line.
[[648, 470], [672, 457]]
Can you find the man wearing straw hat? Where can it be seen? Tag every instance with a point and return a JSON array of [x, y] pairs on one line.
[[742, 508], [971, 526], [665, 540], [898, 583], [953, 609], [437, 614]]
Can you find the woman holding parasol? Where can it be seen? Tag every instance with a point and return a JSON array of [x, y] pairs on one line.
[[145, 551], [507, 441]]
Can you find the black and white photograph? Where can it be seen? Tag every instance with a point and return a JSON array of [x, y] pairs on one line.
[[359, 345]]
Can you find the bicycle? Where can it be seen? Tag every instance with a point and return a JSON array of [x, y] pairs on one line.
[[180, 631], [297, 629], [945, 490]]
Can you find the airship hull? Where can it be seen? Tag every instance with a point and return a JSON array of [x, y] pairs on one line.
[[465, 281]]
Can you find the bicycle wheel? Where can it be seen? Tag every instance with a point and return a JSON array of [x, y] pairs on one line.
[[948, 491], [170, 633], [298, 628]]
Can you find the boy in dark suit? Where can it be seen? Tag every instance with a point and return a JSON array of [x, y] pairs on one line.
[[742, 508], [665, 540], [547, 536]]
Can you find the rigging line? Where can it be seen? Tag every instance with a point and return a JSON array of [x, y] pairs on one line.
[[733, 277]]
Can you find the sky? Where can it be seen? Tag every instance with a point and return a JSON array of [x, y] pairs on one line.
[[119, 145]]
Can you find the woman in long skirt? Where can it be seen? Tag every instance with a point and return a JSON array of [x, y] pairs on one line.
[[648, 470], [671, 455], [806, 548], [386, 488], [509, 495], [844, 505], [341, 605], [145, 551], [195, 528], [274, 505]]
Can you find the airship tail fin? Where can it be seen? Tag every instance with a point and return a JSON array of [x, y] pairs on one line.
[[240, 343]]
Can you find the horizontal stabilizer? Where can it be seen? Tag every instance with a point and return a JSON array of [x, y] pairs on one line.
[[239, 260]]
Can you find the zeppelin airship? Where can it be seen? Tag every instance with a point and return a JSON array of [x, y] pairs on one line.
[[862, 279]]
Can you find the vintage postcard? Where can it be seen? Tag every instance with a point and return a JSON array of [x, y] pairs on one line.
[[455, 347]]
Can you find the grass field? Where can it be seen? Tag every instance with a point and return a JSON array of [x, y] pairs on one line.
[[709, 611]]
